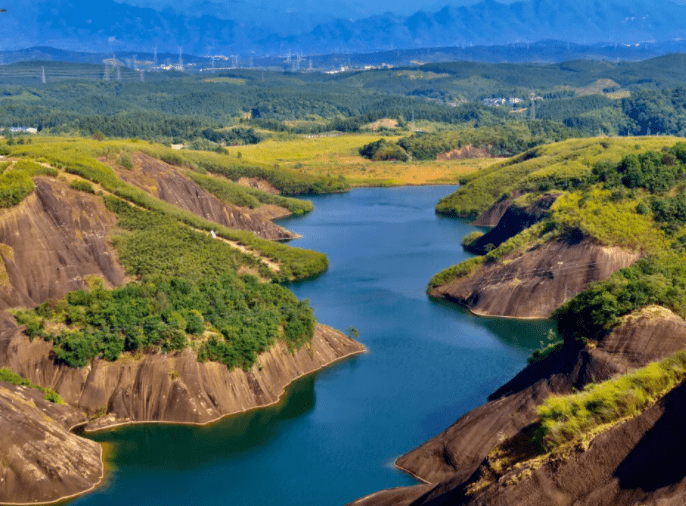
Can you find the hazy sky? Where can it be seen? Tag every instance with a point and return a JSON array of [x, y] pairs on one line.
[[342, 8]]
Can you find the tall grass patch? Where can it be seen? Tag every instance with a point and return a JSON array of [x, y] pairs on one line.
[[569, 418]]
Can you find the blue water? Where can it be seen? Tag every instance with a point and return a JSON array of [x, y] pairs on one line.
[[336, 434]]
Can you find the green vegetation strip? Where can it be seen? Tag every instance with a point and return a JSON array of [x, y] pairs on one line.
[[226, 319], [569, 418], [14, 379], [240, 195]]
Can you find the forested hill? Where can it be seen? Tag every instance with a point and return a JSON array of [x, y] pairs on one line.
[[245, 106]]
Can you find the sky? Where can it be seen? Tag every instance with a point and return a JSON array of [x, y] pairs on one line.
[[342, 8]]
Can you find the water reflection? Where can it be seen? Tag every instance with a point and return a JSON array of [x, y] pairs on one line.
[[185, 447]]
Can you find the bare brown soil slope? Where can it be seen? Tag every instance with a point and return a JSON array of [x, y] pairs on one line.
[[41, 460], [449, 459], [533, 283], [166, 183], [51, 242], [170, 388]]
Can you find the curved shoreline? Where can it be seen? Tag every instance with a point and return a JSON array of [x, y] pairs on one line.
[[407, 471], [221, 417], [163, 422], [483, 315]]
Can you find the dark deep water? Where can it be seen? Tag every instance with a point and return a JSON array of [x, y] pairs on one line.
[[336, 434]]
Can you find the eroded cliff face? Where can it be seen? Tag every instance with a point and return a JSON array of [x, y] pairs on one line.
[[41, 460], [169, 388], [166, 183], [51, 242], [512, 221], [533, 283], [637, 462], [449, 460]]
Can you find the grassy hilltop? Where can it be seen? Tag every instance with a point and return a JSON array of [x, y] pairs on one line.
[[187, 288]]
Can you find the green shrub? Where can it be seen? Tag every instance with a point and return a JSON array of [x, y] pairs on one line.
[[126, 161], [82, 186], [382, 150]]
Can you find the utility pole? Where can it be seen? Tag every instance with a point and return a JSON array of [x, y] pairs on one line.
[[142, 76], [533, 106], [154, 64], [43, 75], [118, 73], [181, 58], [106, 76]]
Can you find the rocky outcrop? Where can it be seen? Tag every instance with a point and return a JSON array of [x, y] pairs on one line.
[[451, 458], [467, 152], [259, 184], [531, 284], [513, 221], [170, 388], [166, 183], [41, 460], [51, 242], [637, 462], [492, 216]]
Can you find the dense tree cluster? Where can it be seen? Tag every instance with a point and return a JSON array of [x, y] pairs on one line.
[[227, 319]]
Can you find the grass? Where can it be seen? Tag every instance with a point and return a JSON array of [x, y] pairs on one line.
[[14, 379], [612, 223], [461, 270], [339, 156], [541, 167], [570, 418]]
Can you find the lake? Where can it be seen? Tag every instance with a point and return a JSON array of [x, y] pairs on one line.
[[336, 433]]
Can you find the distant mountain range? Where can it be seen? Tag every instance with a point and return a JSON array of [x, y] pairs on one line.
[[107, 26]]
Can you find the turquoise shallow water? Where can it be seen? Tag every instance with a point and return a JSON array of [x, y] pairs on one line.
[[336, 433]]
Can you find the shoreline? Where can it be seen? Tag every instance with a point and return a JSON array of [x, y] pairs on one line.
[[471, 311], [163, 422], [408, 472]]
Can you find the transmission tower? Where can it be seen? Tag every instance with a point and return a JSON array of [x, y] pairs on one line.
[[106, 76], [135, 56], [118, 73], [43, 75], [142, 76], [155, 58]]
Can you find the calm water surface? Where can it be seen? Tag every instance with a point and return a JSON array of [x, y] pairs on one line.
[[336, 434]]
